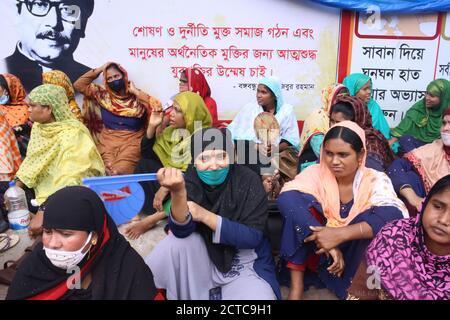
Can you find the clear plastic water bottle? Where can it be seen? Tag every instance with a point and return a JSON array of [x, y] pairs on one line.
[[16, 203]]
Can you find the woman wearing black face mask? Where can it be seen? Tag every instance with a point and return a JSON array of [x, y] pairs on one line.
[[116, 114]]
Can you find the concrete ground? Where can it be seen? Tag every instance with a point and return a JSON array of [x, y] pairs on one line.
[[143, 245]]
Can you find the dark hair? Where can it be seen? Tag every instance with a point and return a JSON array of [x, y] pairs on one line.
[[441, 185], [86, 6], [115, 66], [338, 132], [4, 84], [345, 108]]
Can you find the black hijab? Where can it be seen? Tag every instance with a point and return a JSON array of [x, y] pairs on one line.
[[240, 198], [118, 272]]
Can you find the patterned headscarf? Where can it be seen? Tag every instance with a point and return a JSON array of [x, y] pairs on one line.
[[375, 141], [60, 153], [407, 269], [318, 121], [16, 111], [59, 78], [10, 159], [55, 97]]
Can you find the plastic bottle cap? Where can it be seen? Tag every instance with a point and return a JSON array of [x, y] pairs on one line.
[[12, 183]]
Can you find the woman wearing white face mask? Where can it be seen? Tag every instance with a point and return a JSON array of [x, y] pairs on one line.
[[415, 174], [82, 255]]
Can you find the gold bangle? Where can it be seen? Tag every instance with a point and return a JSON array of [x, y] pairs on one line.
[[360, 229]]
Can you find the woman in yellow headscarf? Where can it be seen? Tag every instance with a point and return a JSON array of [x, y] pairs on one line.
[[59, 78], [61, 151], [169, 148]]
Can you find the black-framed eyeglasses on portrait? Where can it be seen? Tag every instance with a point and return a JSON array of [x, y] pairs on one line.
[[40, 8]]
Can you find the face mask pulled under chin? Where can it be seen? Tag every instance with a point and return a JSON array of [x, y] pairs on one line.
[[445, 136], [4, 99], [67, 259]]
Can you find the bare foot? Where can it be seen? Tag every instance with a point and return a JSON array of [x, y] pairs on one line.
[[136, 229]]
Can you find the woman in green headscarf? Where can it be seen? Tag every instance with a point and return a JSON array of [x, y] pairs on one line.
[[61, 151], [167, 147], [360, 86], [422, 122]]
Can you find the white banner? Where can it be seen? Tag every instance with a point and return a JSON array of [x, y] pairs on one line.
[[234, 42], [399, 53]]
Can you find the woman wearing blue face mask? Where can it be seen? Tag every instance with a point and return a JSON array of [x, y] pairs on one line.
[[116, 114], [217, 248], [12, 104]]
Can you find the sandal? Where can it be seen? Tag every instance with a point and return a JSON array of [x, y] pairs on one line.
[[8, 241], [10, 267]]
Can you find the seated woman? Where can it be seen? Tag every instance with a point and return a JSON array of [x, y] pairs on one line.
[[316, 125], [216, 249], [333, 209], [379, 154], [360, 86], [82, 255], [415, 174], [192, 79], [61, 151], [12, 104], [269, 99], [10, 159], [422, 121], [59, 78], [168, 148], [116, 114], [412, 256]]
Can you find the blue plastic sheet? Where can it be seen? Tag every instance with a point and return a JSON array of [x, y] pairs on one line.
[[123, 196], [389, 6]]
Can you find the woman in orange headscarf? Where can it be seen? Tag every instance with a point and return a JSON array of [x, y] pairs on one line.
[[117, 115], [333, 209], [12, 104], [10, 159]]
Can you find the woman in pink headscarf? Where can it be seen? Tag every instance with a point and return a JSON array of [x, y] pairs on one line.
[[411, 257], [332, 209]]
